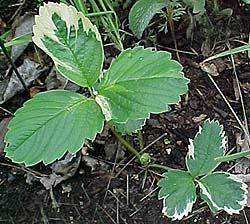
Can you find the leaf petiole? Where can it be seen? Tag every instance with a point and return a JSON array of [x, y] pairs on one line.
[[159, 166], [125, 143]]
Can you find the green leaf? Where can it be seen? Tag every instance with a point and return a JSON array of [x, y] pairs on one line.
[[208, 144], [71, 40], [178, 193], [141, 14], [50, 124], [140, 81], [197, 5], [223, 191], [129, 127]]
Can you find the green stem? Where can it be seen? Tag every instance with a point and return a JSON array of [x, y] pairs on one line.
[[91, 92], [140, 138], [159, 166], [125, 143]]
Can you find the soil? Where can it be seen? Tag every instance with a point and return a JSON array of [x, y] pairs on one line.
[[123, 191]]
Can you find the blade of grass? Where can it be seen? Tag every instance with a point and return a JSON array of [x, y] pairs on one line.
[[232, 156], [229, 52], [23, 39], [109, 25]]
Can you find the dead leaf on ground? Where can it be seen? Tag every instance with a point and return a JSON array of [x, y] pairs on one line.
[[3, 129], [243, 143], [23, 26], [29, 71], [62, 170], [199, 118], [246, 179], [91, 162], [56, 81]]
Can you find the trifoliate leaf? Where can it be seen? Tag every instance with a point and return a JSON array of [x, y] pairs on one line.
[[178, 193], [223, 191], [71, 40], [129, 127], [50, 124], [141, 14], [208, 144], [140, 81]]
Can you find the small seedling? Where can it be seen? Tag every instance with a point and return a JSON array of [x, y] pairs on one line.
[[220, 190], [138, 82]]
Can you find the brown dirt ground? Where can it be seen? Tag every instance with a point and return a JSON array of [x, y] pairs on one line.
[[126, 194]]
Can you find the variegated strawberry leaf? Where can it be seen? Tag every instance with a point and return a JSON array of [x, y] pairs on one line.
[[223, 191], [208, 144], [178, 192], [50, 124], [71, 40]]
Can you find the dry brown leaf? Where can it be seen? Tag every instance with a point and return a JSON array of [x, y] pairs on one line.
[[199, 119], [62, 170], [246, 179], [3, 129]]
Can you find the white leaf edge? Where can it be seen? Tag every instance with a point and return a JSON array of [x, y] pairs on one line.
[[230, 211], [191, 148], [178, 215], [44, 25]]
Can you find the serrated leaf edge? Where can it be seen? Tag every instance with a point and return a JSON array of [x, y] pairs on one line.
[[177, 215], [104, 104], [8, 143], [191, 148], [226, 209], [144, 122], [69, 14]]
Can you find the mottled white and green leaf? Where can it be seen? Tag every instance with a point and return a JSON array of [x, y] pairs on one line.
[[208, 144], [178, 192], [50, 124], [71, 40], [223, 191], [139, 82]]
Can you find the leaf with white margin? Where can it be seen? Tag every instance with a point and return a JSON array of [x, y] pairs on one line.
[[140, 81], [129, 127], [178, 193], [71, 40], [208, 144], [50, 124], [223, 191], [141, 14]]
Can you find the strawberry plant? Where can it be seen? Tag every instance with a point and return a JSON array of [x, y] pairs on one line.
[[220, 190], [138, 82]]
